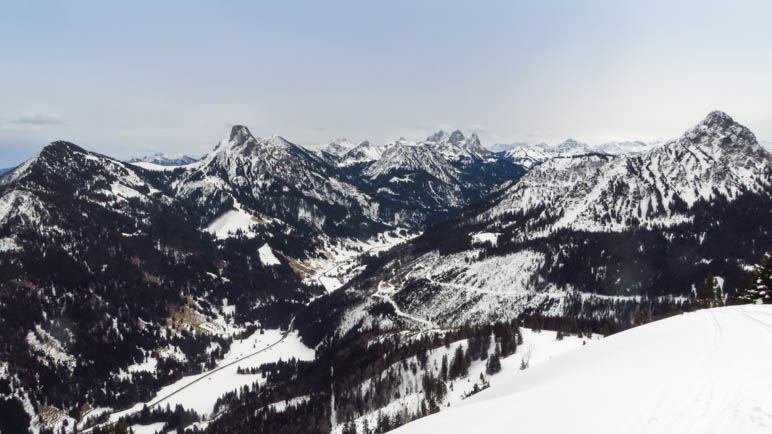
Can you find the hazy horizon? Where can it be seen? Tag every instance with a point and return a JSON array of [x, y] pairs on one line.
[[134, 79]]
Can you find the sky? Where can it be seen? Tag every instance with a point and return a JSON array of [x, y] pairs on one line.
[[131, 78]]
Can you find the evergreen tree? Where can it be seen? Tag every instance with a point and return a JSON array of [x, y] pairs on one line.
[[459, 366], [493, 365], [758, 289], [444, 368]]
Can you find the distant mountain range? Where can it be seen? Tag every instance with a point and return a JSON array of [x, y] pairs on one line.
[[531, 154], [121, 277], [162, 159]]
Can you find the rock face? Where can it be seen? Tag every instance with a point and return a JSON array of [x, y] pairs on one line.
[[591, 236]]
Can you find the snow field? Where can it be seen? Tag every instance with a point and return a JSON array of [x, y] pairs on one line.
[[537, 347], [200, 392], [702, 372]]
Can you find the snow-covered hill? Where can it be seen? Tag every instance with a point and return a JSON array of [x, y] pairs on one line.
[[537, 348], [705, 371]]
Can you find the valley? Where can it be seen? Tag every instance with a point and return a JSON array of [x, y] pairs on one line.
[[267, 287]]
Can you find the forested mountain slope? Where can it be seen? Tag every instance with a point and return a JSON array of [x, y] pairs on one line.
[[610, 239]]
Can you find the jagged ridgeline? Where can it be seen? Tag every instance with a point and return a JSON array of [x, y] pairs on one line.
[[613, 240], [117, 278]]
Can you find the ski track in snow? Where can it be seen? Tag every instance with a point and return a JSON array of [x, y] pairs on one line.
[[701, 372]]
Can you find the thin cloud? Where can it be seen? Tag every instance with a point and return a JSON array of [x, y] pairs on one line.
[[38, 119]]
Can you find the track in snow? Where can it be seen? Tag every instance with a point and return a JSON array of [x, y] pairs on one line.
[[707, 371]]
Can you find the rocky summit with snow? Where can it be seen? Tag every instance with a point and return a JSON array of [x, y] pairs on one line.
[[531, 154], [268, 287], [161, 159], [591, 237]]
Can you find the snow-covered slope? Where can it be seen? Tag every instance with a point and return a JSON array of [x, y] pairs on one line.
[[592, 236], [94, 253], [338, 147], [705, 371], [37, 193], [363, 153], [531, 154], [718, 157], [405, 155], [538, 347], [279, 179], [443, 172], [161, 159]]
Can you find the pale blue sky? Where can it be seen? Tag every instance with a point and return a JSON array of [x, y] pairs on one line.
[[130, 78]]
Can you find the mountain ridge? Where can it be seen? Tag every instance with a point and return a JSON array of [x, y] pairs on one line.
[[590, 236]]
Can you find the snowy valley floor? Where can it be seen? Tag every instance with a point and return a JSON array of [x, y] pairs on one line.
[[707, 371], [200, 392]]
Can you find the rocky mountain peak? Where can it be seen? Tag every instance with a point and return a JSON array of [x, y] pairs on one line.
[[718, 131], [438, 136], [456, 137], [718, 118], [338, 147], [474, 142], [239, 134]]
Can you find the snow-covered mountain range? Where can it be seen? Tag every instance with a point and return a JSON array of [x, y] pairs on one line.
[[197, 251], [162, 159], [123, 277], [531, 154], [591, 236]]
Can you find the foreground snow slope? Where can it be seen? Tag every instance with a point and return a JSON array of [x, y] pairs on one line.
[[704, 372]]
